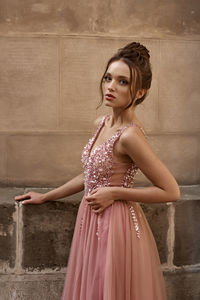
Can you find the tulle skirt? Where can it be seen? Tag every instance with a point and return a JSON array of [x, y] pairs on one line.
[[113, 256]]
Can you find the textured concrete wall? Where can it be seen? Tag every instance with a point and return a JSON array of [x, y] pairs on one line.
[[49, 91], [35, 243], [52, 55], [143, 18]]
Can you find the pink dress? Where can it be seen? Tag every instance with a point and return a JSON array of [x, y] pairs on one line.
[[113, 255]]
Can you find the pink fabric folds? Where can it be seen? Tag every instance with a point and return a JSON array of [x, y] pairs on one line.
[[116, 264], [133, 270]]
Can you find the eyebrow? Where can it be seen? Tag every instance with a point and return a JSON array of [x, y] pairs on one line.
[[119, 76]]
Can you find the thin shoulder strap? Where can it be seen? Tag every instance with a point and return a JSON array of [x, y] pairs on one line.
[[131, 125], [100, 125], [116, 137]]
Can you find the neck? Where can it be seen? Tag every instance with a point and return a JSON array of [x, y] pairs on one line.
[[122, 117]]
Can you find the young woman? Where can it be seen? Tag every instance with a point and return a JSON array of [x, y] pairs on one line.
[[113, 254]]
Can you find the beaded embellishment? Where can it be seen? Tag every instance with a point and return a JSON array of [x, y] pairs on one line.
[[135, 220], [98, 169]]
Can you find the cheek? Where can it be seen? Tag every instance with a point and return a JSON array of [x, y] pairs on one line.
[[125, 92], [103, 88]]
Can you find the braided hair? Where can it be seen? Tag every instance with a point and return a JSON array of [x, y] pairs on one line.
[[137, 57]]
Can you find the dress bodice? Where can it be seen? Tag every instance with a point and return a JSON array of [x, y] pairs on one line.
[[100, 166]]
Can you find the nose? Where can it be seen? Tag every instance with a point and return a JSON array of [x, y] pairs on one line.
[[111, 85]]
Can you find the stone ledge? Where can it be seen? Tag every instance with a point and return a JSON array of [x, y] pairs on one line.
[[7, 194], [46, 231], [48, 228], [183, 285], [31, 287], [190, 192]]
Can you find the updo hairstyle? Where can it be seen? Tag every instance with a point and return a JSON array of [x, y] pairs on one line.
[[137, 57]]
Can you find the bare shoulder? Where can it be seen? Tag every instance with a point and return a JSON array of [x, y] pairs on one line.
[[132, 134], [135, 145], [97, 121], [96, 124]]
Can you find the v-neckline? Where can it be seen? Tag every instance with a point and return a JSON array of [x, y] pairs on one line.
[[91, 151]]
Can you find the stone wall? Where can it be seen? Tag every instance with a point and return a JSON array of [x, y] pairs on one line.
[[53, 54], [52, 57], [35, 242], [49, 92]]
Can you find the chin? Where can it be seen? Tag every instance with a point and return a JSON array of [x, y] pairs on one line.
[[108, 104]]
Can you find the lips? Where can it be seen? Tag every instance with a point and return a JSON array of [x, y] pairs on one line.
[[109, 97]]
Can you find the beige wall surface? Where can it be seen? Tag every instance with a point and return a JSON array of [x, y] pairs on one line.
[[53, 54], [152, 18]]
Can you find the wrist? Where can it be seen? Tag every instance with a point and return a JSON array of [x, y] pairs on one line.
[[45, 197], [115, 193]]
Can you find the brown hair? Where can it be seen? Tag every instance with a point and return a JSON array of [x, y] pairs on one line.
[[136, 56]]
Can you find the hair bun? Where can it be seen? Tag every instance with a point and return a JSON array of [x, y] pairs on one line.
[[136, 50]]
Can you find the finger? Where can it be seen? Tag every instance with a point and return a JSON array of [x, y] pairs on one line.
[[93, 191], [19, 197], [22, 197], [89, 198], [95, 208], [24, 202], [93, 203], [31, 201], [98, 211]]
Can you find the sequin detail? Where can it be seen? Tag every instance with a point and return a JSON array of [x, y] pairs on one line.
[[98, 169], [98, 226], [135, 220], [128, 179], [97, 163], [82, 219]]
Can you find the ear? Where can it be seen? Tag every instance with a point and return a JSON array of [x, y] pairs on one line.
[[140, 93]]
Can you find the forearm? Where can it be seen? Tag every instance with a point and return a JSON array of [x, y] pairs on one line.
[[73, 186], [150, 194]]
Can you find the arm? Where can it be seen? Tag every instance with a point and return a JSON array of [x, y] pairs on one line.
[[73, 186], [164, 189]]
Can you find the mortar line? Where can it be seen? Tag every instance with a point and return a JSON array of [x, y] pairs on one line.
[[171, 235], [188, 38], [158, 91], [19, 250], [6, 159], [60, 98]]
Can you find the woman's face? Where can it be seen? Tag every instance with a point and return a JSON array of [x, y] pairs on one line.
[[116, 85]]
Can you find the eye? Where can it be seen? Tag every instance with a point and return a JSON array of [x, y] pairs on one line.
[[123, 82], [107, 78]]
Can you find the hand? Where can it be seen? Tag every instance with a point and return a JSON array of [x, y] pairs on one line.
[[100, 198], [31, 198]]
